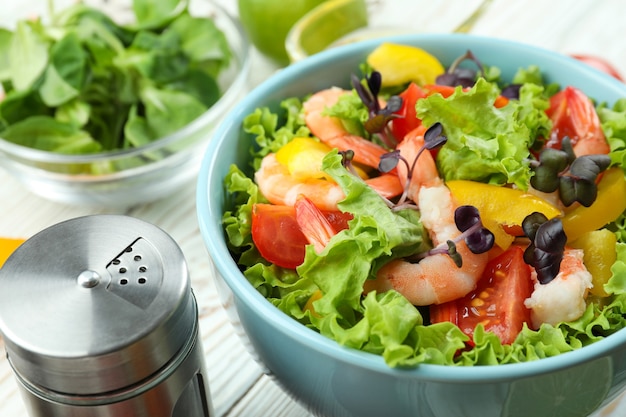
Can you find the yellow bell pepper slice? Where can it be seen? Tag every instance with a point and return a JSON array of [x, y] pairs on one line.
[[303, 157], [599, 255], [7, 246], [309, 304], [609, 204], [401, 64], [502, 209]]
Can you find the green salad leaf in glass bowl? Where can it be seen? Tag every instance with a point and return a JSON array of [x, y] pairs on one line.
[[112, 108]]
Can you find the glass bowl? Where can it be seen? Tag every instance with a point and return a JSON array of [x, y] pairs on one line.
[[146, 173]]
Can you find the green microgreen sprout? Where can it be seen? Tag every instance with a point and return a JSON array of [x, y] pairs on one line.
[[547, 246], [457, 75], [477, 238], [346, 160], [379, 118], [573, 177], [433, 139]]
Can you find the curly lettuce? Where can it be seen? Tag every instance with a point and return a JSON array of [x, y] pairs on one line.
[[272, 130], [486, 143], [387, 324]]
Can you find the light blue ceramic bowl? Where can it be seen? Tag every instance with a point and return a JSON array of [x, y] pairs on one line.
[[331, 380]]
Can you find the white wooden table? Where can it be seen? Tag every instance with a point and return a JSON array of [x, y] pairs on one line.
[[238, 386]]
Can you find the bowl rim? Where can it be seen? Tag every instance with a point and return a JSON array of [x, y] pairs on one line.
[[209, 219], [241, 56]]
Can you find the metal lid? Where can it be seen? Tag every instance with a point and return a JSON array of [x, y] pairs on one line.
[[95, 304]]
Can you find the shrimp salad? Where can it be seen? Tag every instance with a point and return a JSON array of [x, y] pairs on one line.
[[438, 215]]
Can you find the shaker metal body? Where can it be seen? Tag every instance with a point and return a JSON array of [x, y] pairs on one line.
[[99, 320]]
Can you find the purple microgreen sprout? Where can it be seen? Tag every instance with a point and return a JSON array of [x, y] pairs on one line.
[[388, 162], [379, 118], [368, 95], [545, 252], [511, 91], [433, 139], [477, 238], [456, 75], [574, 177]]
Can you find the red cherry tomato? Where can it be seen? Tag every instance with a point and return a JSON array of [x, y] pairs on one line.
[[497, 302], [408, 119], [600, 64], [277, 236]]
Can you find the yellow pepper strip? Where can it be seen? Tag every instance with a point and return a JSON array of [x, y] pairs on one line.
[[609, 204], [303, 158], [7, 246], [599, 256], [309, 304], [502, 209], [401, 64]]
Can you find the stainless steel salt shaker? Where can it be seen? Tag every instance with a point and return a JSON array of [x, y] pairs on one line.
[[99, 320]]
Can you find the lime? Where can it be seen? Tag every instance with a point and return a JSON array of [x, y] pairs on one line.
[[324, 26], [400, 64], [268, 21]]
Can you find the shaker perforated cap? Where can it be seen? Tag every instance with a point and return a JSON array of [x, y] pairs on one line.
[[95, 304]]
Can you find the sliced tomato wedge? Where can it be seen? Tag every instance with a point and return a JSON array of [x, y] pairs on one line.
[[497, 302], [408, 120], [277, 236], [573, 115]]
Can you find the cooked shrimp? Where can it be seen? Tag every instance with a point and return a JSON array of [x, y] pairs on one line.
[[591, 139], [427, 174], [331, 131], [583, 124], [563, 298], [435, 279], [280, 187], [319, 124], [365, 152]]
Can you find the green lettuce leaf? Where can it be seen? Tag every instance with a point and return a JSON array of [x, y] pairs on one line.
[[375, 236], [617, 283], [243, 194], [613, 121], [352, 113], [485, 143], [274, 129]]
